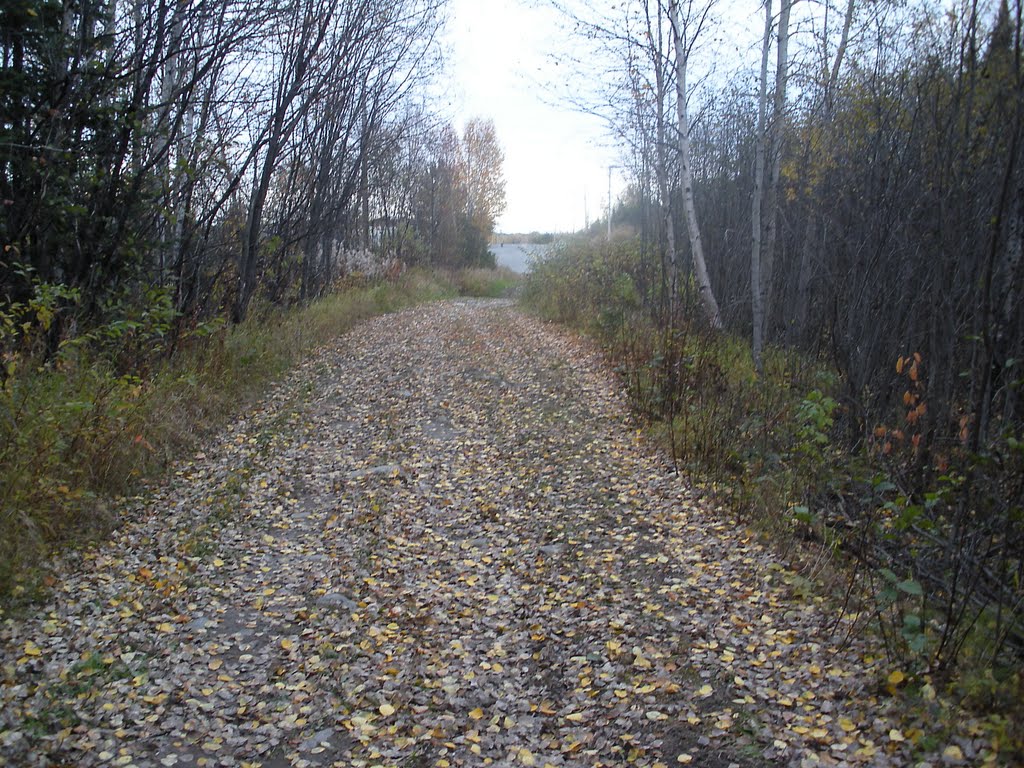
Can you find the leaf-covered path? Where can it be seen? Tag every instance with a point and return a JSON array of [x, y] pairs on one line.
[[438, 543]]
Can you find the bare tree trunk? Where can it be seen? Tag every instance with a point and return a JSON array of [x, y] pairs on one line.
[[801, 305], [664, 189], [700, 269], [769, 225], [844, 41], [296, 91], [756, 296], [169, 86]]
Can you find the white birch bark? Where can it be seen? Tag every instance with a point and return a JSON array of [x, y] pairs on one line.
[[700, 269]]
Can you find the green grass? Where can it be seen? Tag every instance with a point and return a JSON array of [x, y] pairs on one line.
[[77, 432], [487, 283]]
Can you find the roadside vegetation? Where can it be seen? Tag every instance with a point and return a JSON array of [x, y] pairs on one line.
[[113, 406], [812, 292], [894, 540], [178, 226]]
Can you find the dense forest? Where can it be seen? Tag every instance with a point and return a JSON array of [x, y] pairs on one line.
[[814, 284]]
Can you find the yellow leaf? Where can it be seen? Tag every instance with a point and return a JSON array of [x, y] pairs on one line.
[[526, 757], [896, 677], [847, 724], [287, 643], [953, 752], [705, 690], [216, 664], [31, 649], [641, 662], [896, 735], [217, 562], [165, 627], [386, 709], [685, 759], [476, 714], [575, 717]]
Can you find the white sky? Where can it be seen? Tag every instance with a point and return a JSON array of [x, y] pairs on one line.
[[554, 157]]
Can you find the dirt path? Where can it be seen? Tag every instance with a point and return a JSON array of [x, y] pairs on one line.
[[437, 544]]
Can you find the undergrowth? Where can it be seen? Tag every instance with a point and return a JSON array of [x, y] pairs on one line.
[[79, 426], [924, 555]]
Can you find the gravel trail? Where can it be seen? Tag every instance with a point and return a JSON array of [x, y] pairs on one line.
[[439, 542]]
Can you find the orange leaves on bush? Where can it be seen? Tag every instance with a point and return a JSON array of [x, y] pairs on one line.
[[910, 365], [915, 414], [965, 423]]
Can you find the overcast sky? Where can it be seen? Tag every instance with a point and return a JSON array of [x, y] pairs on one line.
[[556, 160]]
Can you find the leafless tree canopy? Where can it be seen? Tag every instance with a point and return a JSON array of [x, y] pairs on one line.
[[210, 152]]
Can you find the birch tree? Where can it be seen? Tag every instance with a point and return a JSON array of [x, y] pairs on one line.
[[686, 29]]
